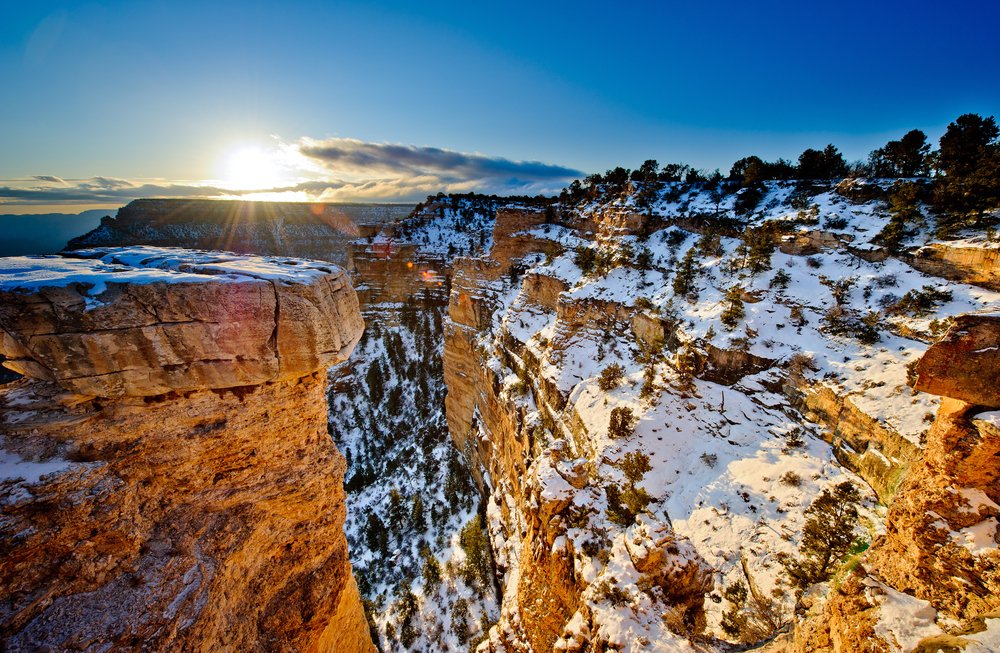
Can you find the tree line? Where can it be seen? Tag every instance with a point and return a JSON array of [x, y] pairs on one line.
[[960, 180]]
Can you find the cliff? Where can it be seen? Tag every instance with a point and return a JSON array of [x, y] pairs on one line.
[[309, 230], [168, 481], [661, 506]]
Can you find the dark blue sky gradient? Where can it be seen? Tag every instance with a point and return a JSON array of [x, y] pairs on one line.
[[160, 89]]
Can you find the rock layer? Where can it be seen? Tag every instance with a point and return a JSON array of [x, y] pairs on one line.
[[200, 519], [147, 321]]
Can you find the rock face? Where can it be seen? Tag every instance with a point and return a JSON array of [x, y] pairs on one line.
[[311, 230], [939, 551], [968, 262], [965, 363], [147, 321], [206, 516]]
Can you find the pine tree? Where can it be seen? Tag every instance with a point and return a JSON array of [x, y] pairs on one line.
[[417, 518], [625, 503], [827, 535], [734, 310], [430, 570], [684, 278]]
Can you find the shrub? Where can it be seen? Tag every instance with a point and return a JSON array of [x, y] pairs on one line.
[[612, 593], [835, 222], [920, 302], [752, 618], [611, 377], [791, 479], [780, 280]]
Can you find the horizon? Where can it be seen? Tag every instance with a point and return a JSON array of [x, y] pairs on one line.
[[390, 103]]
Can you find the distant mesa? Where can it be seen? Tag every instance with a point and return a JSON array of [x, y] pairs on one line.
[[310, 230]]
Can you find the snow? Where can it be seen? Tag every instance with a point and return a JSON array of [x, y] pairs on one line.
[[92, 270], [979, 538], [903, 620], [15, 468]]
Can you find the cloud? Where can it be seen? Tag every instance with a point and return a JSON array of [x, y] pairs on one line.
[[97, 190], [332, 170], [352, 156]]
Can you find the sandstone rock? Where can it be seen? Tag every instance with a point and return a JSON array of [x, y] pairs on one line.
[[202, 519], [965, 363], [936, 547], [963, 261], [147, 321]]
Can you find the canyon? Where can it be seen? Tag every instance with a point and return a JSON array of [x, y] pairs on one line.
[[585, 427]]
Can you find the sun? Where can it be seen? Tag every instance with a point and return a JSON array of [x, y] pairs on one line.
[[252, 168]]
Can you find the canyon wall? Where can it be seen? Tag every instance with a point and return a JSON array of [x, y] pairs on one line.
[[168, 482], [529, 452]]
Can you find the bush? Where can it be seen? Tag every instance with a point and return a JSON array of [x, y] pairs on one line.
[[791, 479], [752, 618], [780, 280], [835, 222], [611, 377], [920, 302], [612, 593]]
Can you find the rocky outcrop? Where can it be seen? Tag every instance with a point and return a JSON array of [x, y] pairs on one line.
[[385, 272], [940, 549], [965, 262], [867, 446], [531, 453], [311, 230], [206, 516], [965, 363]]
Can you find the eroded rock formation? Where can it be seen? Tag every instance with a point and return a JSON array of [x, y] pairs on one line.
[[939, 554], [174, 489]]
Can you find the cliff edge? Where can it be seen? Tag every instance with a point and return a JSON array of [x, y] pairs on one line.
[[167, 479]]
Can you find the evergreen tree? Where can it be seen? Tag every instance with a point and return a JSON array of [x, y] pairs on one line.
[[430, 570], [397, 510], [904, 209], [627, 502], [683, 282], [417, 518], [827, 535], [478, 567], [907, 157], [827, 163], [375, 380], [734, 310], [621, 423]]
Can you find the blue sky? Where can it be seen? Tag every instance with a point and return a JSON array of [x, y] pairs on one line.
[[163, 95]]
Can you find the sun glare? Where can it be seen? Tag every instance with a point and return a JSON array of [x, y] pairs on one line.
[[251, 168]]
